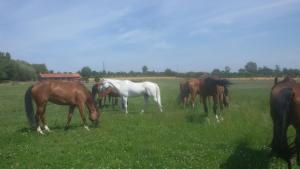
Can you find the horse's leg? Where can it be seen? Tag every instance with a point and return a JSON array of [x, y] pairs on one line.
[[125, 104], [221, 105], [215, 107], [145, 102], [81, 110], [116, 100], [205, 104], [43, 119], [39, 112], [193, 95], [70, 114]]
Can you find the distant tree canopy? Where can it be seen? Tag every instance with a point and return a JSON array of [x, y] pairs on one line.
[[145, 69], [251, 67], [86, 71], [18, 70]]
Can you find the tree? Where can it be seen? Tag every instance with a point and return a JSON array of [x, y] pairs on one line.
[[40, 68], [277, 70], [86, 71], [170, 72], [227, 69], [145, 69], [216, 72], [251, 67]]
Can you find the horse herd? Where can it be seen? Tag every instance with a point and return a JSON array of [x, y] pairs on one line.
[[284, 103]]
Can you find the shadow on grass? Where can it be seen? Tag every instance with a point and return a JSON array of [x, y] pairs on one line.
[[247, 158], [196, 118], [71, 127]]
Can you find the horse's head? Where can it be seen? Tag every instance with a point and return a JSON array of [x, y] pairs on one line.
[[94, 115]]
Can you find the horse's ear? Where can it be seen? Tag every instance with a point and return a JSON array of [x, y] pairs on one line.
[[275, 80]]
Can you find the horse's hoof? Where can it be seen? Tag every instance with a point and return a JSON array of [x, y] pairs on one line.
[[47, 129], [39, 130], [87, 128]]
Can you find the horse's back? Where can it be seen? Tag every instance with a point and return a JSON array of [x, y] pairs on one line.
[[60, 92]]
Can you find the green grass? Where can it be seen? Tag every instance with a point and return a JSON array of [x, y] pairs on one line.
[[176, 138]]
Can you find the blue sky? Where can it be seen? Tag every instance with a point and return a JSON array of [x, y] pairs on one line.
[[184, 35]]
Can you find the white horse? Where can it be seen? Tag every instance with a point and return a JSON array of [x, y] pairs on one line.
[[127, 88]]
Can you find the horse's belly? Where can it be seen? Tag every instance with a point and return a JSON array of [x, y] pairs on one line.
[[60, 101]]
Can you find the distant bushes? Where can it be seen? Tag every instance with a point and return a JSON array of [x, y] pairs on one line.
[[18, 70]]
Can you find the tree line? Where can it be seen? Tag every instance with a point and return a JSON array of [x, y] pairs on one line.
[[249, 70], [18, 70]]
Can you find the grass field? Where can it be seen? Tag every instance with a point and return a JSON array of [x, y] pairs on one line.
[[176, 138]]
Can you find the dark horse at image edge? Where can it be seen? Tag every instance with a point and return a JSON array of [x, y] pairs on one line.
[[71, 93], [285, 111]]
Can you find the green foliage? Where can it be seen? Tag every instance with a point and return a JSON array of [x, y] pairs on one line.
[[144, 69], [17, 70], [97, 79], [86, 71], [40, 68], [251, 67], [175, 138]]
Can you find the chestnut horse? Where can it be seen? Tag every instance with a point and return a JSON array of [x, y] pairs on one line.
[[194, 86], [285, 111], [189, 88], [218, 89], [69, 93], [102, 95]]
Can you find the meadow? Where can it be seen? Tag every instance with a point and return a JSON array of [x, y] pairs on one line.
[[176, 138]]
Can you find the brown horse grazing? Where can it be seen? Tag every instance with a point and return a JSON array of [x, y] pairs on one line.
[[218, 89], [194, 88], [102, 95], [189, 88], [69, 93], [285, 111]]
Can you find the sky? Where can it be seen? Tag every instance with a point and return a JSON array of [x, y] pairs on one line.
[[183, 35]]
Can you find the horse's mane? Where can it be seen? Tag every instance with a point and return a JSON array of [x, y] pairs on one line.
[[216, 81]]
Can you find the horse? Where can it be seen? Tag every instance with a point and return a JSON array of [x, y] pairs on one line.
[[218, 89], [71, 93], [127, 88], [183, 92], [102, 96], [194, 89], [285, 111]]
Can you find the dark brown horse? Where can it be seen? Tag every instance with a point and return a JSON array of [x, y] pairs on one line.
[[218, 89], [285, 111], [102, 95], [69, 93], [183, 92]]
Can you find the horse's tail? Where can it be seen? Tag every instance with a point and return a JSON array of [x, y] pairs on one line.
[[29, 108], [275, 80], [280, 107], [158, 97], [94, 93], [225, 98]]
